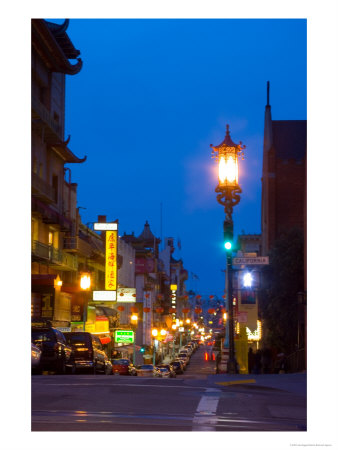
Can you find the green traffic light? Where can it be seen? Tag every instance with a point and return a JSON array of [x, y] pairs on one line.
[[228, 245]]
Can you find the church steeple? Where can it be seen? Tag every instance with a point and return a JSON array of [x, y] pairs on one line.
[[267, 125]]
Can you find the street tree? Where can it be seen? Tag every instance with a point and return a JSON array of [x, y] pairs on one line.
[[283, 279]]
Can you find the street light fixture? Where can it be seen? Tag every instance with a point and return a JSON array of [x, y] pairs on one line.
[[85, 283], [134, 321], [154, 333], [226, 155]]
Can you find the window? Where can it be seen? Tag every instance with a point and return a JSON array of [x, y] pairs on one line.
[[35, 230], [56, 117], [53, 238]]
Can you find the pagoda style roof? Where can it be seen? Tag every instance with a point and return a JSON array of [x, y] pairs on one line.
[[227, 142], [61, 148], [147, 235], [52, 43]]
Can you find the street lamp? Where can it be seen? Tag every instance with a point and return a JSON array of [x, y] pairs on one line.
[[226, 155], [133, 320], [154, 333], [85, 282]]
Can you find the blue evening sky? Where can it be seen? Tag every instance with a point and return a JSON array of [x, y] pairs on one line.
[[152, 95]]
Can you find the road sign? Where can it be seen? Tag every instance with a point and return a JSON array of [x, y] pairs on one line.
[[258, 260], [124, 336]]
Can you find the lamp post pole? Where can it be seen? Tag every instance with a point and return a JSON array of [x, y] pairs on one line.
[[154, 333], [134, 321], [226, 155]]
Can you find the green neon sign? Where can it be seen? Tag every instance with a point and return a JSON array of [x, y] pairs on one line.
[[124, 336]]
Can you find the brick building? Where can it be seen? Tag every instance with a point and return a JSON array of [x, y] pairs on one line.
[[284, 178]]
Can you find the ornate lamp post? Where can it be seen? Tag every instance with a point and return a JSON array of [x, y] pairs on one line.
[[226, 155]]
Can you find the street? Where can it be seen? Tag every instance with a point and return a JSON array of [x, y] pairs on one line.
[[193, 401]]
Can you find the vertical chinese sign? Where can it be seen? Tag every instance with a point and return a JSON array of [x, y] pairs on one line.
[[111, 261]]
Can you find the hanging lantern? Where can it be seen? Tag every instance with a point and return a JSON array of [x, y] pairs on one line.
[[159, 296], [185, 310], [172, 310], [198, 297], [211, 310], [134, 309], [185, 297], [120, 308], [211, 297], [159, 310], [147, 295], [224, 296], [146, 309], [198, 310]]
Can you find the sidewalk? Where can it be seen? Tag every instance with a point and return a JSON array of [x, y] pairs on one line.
[[295, 383]]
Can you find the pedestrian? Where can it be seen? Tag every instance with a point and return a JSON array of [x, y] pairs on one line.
[[258, 362], [251, 360]]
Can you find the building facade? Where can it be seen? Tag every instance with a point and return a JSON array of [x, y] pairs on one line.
[[54, 214], [284, 178]]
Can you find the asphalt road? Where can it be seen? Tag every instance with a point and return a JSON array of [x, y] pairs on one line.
[[191, 402]]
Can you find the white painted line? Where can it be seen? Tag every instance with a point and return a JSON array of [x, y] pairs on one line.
[[205, 417], [122, 384]]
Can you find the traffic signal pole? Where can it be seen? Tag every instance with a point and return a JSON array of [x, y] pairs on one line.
[[232, 364], [228, 228]]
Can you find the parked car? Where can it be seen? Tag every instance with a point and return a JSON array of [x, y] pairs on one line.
[[55, 351], [183, 362], [189, 349], [35, 358], [178, 366], [191, 346], [123, 366], [184, 355], [161, 372], [145, 370], [184, 350], [169, 367], [88, 353]]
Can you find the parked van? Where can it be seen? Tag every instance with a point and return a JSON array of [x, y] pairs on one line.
[[88, 353]]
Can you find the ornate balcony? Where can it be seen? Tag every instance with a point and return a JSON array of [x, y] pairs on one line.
[[42, 190], [56, 258], [41, 117], [78, 245]]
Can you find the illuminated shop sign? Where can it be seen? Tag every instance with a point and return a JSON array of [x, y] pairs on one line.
[[105, 226], [111, 261], [104, 296], [173, 288], [126, 295], [124, 336]]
